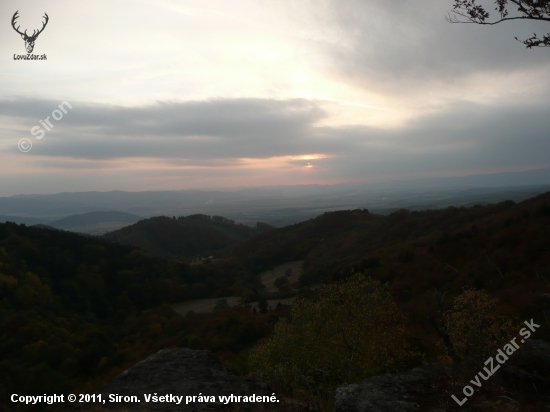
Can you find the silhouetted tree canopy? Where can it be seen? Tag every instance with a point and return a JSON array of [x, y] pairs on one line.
[[469, 11]]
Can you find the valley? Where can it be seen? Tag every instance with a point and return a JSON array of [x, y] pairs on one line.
[[268, 282], [86, 307], [275, 206]]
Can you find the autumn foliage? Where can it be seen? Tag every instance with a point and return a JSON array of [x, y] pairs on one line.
[[476, 329], [76, 310], [351, 330]]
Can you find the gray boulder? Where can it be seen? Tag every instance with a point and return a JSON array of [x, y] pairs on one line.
[[533, 356], [182, 372], [529, 367], [387, 393], [528, 370]]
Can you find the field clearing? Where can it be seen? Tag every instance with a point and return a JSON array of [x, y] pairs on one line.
[[268, 278], [203, 305]]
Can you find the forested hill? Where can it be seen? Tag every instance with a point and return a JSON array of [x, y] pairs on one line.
[[76, 307], [185, 236], [338, 241], [72, 306], [503, 248]]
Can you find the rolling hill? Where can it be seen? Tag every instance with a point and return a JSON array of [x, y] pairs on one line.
[[73, 307], [95, 223], [76, 308], [185, 237], [502, 248], [22, 220]]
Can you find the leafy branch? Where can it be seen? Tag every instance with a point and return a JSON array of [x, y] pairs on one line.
[[469, 11]]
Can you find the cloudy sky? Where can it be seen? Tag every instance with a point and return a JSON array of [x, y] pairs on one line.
[[174, 94]]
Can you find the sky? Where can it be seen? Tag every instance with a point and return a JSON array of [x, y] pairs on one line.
[[169, 95]]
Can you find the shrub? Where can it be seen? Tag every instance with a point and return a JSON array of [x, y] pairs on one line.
[[351, 330], [475, 328]]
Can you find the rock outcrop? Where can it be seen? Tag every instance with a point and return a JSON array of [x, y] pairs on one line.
[[527, 371], [387, 393], [182, 372], [529, 367]]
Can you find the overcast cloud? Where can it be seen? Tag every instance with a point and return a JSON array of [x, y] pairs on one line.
[[172, 95]]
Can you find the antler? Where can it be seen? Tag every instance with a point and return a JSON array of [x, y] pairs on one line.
[[43, 26], [15, 17], [34, 33]]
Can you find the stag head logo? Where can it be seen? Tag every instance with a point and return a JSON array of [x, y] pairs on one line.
[[29, 40]]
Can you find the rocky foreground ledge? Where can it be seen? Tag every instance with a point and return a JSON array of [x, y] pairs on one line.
[[178, 373], [526, 377], [169, 379], [385, 393]]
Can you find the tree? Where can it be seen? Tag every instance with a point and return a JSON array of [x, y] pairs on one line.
[[350, 331], [221, 305], [282, 283], [262, 304], [476, 329], [471, 12]]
